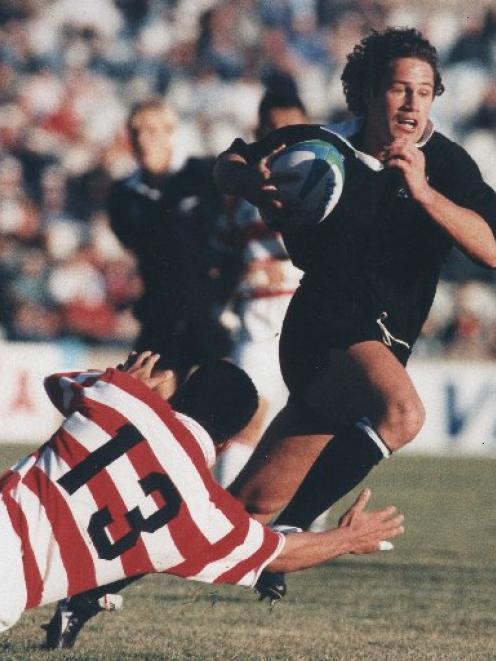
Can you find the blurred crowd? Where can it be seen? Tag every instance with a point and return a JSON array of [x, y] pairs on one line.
[[70, 72]]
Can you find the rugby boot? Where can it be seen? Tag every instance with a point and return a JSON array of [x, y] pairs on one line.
[[271, 586], [72, 614]]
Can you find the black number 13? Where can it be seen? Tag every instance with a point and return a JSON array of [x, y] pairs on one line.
[[126, 438]]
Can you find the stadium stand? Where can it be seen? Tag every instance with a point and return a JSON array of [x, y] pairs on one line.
[[69, 72]]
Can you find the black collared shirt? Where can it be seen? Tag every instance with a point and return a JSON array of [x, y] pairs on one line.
[[378, 250]]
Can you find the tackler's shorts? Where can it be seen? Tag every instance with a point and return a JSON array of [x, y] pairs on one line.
[[314, 325]]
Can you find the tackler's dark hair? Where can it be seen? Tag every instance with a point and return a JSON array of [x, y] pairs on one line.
[[369, 63], [220, 396]]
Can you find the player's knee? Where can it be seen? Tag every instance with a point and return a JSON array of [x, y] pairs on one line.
[[402, 422], [263, 508]]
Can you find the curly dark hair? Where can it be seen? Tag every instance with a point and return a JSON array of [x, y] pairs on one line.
[[368, 63]]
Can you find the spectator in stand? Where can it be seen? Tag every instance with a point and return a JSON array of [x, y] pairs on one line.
[[267, 283], [57, 57], [470, 334], [78, 287], [485, 115], [166, 219], [475, 41]]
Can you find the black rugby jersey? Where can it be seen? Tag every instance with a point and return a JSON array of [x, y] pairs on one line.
[[170, 231], [378, 250]]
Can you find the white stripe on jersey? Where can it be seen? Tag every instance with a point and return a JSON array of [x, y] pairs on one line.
[[90, 435], [66, 382], [24, 465], [252, 542], [211, 521], [251, 577], [201, 437], [46, 549]]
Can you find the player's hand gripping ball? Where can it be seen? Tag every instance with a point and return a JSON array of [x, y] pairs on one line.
[[317, 185]]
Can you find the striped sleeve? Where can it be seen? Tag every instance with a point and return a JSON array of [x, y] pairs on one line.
[[63, 389], [244, 563]]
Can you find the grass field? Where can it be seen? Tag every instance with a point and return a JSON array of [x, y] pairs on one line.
[[434, 597]]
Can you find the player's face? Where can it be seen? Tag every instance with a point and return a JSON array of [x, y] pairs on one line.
[[400, 110], [279, 117], [151, 137]]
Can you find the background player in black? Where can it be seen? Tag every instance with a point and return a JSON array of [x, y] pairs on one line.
[[371, 271], [166, 219]]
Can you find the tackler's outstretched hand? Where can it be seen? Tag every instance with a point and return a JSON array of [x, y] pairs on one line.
[[141, 367], [371, 531], [358, 532]]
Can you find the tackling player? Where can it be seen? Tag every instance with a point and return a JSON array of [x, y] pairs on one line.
[[123, 488], [371, 271]]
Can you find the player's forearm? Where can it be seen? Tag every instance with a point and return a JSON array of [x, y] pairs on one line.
[[309, 549], [468, 229]]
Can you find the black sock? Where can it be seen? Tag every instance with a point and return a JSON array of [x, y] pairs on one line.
[[342, 464]]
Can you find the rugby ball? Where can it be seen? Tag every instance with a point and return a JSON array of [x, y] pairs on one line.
[[320, 169]]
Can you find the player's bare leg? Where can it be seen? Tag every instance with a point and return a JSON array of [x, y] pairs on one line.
[[364, 380], [278, 465]]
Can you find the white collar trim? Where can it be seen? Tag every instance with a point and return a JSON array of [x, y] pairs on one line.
[[201, 436], [344, 131]]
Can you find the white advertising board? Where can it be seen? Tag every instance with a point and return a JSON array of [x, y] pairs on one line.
[[459, 397], [26, 414], [460, 403]]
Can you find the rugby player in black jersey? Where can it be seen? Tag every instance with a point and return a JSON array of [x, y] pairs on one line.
[[166, 217], [371, 271]]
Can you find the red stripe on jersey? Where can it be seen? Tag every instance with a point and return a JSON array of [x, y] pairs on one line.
[[32, 576], [166, 414], [56, 391], [105, 494], [266, 550], [76, 558], [9, 479], [212, 552], [187, 537]]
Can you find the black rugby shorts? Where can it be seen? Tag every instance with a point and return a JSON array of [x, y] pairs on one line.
[[316, 324]]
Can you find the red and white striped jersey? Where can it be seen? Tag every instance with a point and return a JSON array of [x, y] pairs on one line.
[[123, 488]]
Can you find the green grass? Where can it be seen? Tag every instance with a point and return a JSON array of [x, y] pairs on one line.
[[433, 598]]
